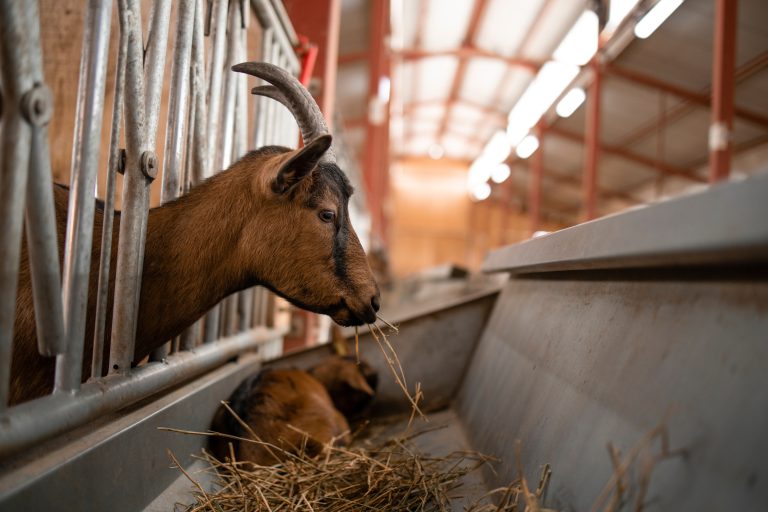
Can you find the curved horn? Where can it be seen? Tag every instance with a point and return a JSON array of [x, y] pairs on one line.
[[289, 91]]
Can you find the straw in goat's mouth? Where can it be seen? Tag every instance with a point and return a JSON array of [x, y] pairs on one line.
[[390, 355]]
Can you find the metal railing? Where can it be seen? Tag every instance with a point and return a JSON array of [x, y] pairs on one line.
[[208, 125]]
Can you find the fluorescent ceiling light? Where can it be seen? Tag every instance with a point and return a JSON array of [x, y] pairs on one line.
[[498, 148], [570, 102], [527, 146], [500, 173], [385, 86], [479, 172], [550, 82], [481, 191], [655, 17], [580, 44]]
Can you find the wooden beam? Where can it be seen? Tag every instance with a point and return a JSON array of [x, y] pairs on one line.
[[469, 51]]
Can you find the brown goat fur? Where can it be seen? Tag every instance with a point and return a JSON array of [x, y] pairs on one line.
[[351, 385], [289, 409], [235, 230]]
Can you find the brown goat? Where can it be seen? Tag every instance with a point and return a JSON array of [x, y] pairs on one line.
[[277, 218], [288, 409], [351, 385]]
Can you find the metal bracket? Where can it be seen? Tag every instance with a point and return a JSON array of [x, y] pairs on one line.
[[149, 164], [37, 105]]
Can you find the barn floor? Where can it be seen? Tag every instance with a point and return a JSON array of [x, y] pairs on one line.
[[448, 436]]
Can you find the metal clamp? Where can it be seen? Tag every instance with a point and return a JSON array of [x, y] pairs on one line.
[[149, 164], [37, 105]]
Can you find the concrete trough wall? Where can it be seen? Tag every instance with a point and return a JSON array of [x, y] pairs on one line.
[[606, 329]]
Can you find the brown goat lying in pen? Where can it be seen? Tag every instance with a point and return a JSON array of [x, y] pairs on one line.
[[293, 410], [277, 218]]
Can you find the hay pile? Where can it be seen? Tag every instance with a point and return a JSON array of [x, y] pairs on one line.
[[393, 475]]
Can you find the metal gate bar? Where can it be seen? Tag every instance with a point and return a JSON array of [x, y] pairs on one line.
[[217, 136]]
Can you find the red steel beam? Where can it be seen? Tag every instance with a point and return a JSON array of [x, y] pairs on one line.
[[701, 98], [534, 192], [592, 142], [665, 168], [744, 72], [723, 70], [468, 51], [478, 10], [376, 157], [319, 21]]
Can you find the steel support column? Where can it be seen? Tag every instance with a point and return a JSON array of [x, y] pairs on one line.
[[319, 21], [723, 73], [592, 143], [376, 159], [537, 170]]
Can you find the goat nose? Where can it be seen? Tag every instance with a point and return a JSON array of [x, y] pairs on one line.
[[375, 302]]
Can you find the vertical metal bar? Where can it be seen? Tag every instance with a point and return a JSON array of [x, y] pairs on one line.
[[85, 159], [227, 128], [201, 147], [262, 104], [537, 169], [102, 297], [198, 130], [723, 83], [177, 102], [157, 43], [42, 243], [138, 175], [592, 143], [215, 73], [17, 136]]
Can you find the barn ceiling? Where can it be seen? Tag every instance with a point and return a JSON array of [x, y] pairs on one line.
[[460, 66]]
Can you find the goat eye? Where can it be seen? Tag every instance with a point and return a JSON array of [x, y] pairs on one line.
[[327, 215]]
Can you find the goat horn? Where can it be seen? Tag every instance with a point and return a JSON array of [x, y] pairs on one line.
[[287, 90]]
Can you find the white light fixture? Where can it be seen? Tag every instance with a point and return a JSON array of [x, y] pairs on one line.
[[436, 151], [552, 79], [385, 87], [498, 147], [500, 173], [570, 102], [580, 44], [655, 17], [481, 191], [527, 146], [479, 172]]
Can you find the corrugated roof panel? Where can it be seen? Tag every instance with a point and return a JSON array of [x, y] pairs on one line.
[[514, 87], [462, 113], [419, 126], [506, 24], [446, 23], [560, 15], [419, 144], [481, 80], [434, 111], [435, 78], [456, 146], [409, 20]]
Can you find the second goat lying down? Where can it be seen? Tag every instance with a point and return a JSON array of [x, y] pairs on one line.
[[289, 410], [277, 218]]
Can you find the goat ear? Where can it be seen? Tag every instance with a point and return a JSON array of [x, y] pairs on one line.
[[301, 164], [358, 382]]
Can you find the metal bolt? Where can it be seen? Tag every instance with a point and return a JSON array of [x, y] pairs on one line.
[[121, 157], [149, 164], [37, 105]]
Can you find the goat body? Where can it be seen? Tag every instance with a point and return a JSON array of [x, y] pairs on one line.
[[231, 232], [287, 409]]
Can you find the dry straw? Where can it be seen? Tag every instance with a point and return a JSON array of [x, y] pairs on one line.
[[395, 476]]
